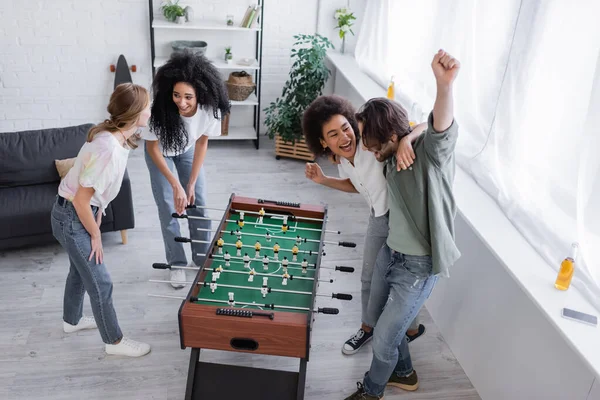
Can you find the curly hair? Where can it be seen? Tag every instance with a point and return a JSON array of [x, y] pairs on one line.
[[318, 114], [381, 118], [211, 93]]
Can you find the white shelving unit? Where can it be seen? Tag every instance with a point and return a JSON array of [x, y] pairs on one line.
[[245, 115]]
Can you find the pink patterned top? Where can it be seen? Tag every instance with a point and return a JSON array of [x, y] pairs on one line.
[[100, 164]]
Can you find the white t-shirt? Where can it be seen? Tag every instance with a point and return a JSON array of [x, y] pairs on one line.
[[367, 177], [100, 164], [201, 123]]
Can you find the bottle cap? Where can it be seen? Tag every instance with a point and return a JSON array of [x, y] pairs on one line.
[[574, 249]]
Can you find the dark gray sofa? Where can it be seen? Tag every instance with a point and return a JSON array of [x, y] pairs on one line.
[[29, 185]]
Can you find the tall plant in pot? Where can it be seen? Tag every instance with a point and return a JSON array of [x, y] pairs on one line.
[[307, 78]]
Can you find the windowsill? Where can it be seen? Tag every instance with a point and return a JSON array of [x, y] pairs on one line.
[[491, 225]]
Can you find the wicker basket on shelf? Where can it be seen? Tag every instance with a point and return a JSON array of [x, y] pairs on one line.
[[240, 85]]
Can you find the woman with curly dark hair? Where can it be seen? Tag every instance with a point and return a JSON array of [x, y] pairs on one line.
[[330, 128], [190, 98]]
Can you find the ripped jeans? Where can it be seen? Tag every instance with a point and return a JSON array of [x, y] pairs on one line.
[[399, 288]]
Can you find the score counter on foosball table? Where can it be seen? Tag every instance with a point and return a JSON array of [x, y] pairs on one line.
[[256, 293]]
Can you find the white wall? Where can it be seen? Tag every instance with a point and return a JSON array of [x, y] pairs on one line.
[[55, 54]]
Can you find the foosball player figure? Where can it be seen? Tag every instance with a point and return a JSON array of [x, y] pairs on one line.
[[264, 289], [220, 244], [295, 253], [304, 265], [261, 214], [213, 284], [231, 301], [227, 257], [268, 236], [218, 270], [298, 240], [251, 275], [257, 248], [285, 264], [284, 227], [265, 263], [246, 260], [238, 246], [276, 251], [241, 220], [285, 277], [238, 234]]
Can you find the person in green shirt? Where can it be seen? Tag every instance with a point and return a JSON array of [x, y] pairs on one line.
[[420, 246]]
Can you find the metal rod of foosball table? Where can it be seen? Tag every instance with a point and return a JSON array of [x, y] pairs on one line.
[[270, 289], [292, 277], [297, 238], [166, 296], [324, 310], [257, 259], [257, 213], [184, 216], [249, 246]]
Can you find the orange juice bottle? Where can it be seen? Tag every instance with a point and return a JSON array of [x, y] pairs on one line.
[[563, 280], [391, 91]]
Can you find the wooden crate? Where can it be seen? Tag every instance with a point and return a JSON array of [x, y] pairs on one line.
[[298, 150]]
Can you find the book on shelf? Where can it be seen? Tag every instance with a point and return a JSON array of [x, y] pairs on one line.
[[251, 17]]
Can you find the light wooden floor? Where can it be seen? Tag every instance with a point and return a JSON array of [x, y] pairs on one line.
[[37, 360]]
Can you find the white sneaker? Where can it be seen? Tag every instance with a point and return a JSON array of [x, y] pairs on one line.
[[128, 347], [177, 278], [84, 323]]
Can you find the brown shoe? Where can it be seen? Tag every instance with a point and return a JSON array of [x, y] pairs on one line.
[[360, 394], [410, 382]]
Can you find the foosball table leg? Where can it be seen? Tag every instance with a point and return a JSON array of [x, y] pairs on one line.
[[194, 358], [301, 379]]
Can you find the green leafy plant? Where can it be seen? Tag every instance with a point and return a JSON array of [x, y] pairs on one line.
[[307, 78], [345, 20], [171, 10]]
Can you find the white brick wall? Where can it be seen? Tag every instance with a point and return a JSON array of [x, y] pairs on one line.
[[55, 54]]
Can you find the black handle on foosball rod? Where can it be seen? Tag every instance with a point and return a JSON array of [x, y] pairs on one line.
[[342, 268], [161, 266], [182, 216], [191, 206], [347, 244], [180, 239], [341, 296], [327, 310]]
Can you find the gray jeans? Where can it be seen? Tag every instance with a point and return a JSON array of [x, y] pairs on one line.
[[163, 196], [84, 276], [377, 233]]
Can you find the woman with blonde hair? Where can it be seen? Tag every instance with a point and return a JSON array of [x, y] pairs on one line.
[[83, 195]]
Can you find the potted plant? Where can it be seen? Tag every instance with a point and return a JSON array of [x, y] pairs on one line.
[[173, 11], [307, 78], [345, 19], [228, 55]]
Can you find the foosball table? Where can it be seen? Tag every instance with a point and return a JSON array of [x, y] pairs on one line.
[[256, 293]]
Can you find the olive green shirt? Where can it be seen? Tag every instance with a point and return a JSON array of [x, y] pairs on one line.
[[421, 203]]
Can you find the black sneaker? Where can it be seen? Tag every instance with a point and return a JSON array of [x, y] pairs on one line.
[[357, 341], [420, 331], [360, 394], [409, 383]]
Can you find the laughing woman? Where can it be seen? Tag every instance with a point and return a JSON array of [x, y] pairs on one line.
[[329, 126], [189, 100]]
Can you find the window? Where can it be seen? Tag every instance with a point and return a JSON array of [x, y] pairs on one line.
[[527, 101]]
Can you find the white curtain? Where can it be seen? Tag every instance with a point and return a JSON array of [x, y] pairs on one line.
[[527, 101]]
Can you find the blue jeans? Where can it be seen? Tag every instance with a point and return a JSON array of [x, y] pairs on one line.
[[377, 233], [400, 286], [163, 196], [84, 276]]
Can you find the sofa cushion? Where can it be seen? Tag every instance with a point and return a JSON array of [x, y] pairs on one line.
[[25, 210], [27, 157], [63, 166]]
